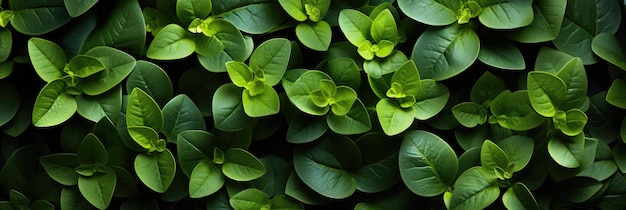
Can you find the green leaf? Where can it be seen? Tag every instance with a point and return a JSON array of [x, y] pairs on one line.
[[344, 99], [181, 114], [344, 71], [326, 166], [126, 185], [502, 54], [501, 14], [272, 57], [117, 66], [193, 147], [188, 10], [144, 136], [249, 199], [379, 170], [384, 27], [286, 203], [152, 79], [83, 66], [519, 197], [393, 118], [469, 114], [98, 189], [356, 121], [72, 199], [571, 123], [156, 170], [10, 103], [294, 8], [299, 93], [76, 8], [124, 29], [241, 165], [567, 151], [581, 189], [316, 36], [239, 73], [615, 96], [274, 181], [53, 106], [608, 47], [195, 83], [476, 188], [582, 22], [408, 79], [251, 16], [551, 60], [599, 170], [305, 128], [6, 43], [518, 149], [35, 17], [94, 108], [6, 69], [61, 167], [514, 111], [546, 92], [92, 151], [236, 46], [428, 165], [205, 179], [18, 199], [47, 58], [492, 157], [619, 155], [431, 12], [228, 112], [142, 110], [379, 67], [297, 189], [575, 78], [441, 53], [355, 26], [171, 43], [548, 16], [262, 104], [431, 100]]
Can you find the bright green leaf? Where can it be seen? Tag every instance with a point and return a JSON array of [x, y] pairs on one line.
[[262, 104], [493, 158], [299, 93], [294, 8], [573, 124], [379, 67], [171, 43], [356, 121], [431, 99], [47, 58], [355, 26], [142, 110], [94, 108], [408, 78], [567, 151], [193, 147], [251, 16], [384, 27], [272, 57], [53, 106], [117, 66], [239, 73], [514, 111], [393, 118], [546, 92], [144, 136], [519, 150], [344, 99], [83, 66], [250, 199], [6, 43]]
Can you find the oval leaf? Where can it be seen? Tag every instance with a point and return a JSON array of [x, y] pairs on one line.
[[431, 12], [156, 170], [476, 188], [171, 43], [142, 110], [53, 106], [35, 17], [98, 189], [241, 165], [205, 180], [228, 113], [47, 58], [181, 114]]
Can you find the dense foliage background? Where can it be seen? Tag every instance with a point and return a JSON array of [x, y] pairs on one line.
[[292, 104]]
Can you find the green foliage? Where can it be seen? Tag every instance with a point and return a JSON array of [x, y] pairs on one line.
[[298, 104]]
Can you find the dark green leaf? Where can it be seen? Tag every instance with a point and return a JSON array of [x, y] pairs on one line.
[[356, 121], [251, 16], [124, 29], [581, 189], [518, 149], [152, 79], [181, 114], [297, 189], [194, 147], [188, 10], [502, 14], [76, 8], [228, 113], [92, 151], [476, 188], [36, 17], [94, 108], [609, 48], [60, 167], [10, 103], [441, 53], [428, 165], [156, 170], [519, 197], [304, 128], [274, 181], [6, 43], [241, 165], [117, 64], [469, 114], [548, 16]]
